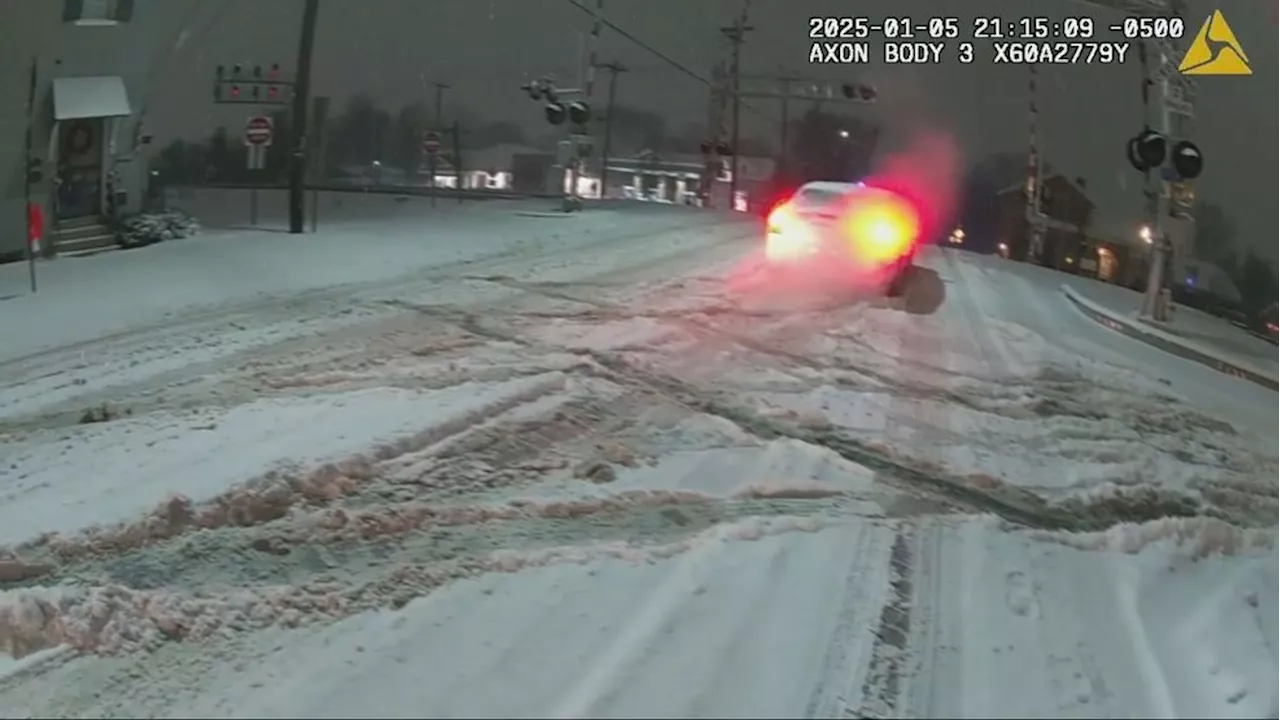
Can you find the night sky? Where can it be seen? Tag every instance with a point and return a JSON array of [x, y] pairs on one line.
[[394, 49]]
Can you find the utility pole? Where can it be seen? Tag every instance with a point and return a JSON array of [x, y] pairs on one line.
[[32, 173], [1035, 183], [784, 84], [1176, 117], [737, 34], [301, 98], [436, 126], [614, 68], [784, 93]]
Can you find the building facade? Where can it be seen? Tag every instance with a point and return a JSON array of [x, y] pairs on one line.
[[1067, 215], [87, 66]]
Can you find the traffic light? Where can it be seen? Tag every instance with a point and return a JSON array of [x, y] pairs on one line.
[[858, 92], [257, 71], [1188, 162], [273, 93], [221, 72], [235, 92], [579, 112], [274, 73], [555, 113], [1146, 150], [254, 92]]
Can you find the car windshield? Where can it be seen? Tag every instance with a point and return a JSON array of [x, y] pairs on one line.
[[639, 358], [815, 198]]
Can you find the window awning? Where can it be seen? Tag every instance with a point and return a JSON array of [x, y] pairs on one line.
[[89, 97]]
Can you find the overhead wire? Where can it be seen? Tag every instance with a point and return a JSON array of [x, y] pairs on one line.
[[665, 58]]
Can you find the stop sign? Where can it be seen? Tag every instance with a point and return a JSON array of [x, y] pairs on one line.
[[258, 130], [431, 142]]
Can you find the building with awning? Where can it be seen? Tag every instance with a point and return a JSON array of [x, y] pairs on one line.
[[83, 65]]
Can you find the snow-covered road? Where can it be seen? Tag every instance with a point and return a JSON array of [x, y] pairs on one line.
[[609, 473]]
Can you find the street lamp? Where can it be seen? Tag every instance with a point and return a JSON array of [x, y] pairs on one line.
[[844, 134], [1145, 234]]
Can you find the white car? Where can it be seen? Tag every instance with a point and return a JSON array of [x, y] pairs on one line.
[[859, 233]]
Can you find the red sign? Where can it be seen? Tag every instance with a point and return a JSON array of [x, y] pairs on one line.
[[35, 225], [431, 142], [258, 131]]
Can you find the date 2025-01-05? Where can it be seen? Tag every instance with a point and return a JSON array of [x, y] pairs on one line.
[[898, 40]]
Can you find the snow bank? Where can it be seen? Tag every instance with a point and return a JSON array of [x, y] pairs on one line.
[[115, 470], [114, 619]]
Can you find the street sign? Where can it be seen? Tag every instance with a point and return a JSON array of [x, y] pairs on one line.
[[258, 131], [431, 142], [256, 157]]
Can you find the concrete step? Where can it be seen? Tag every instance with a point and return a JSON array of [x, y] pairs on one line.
[[85, 252], [79, 222], [81, 242], [80, 231]]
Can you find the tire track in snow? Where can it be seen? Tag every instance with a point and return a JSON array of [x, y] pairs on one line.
[[850, 652]]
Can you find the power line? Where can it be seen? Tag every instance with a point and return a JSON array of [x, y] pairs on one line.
[[663, 56]]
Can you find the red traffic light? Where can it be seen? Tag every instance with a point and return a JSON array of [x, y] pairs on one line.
[[273, 92], [235, 91]]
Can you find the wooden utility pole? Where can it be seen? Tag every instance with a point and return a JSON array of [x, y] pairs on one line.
[[737, 34], [432, 162], [614, 68], [301, 98], [30, 173]]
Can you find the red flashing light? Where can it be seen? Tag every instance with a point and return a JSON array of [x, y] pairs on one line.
[[883, 226], [780, 215]]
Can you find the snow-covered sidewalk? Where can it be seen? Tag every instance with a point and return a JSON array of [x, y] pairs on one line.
[[82, 299], [1191, 334]]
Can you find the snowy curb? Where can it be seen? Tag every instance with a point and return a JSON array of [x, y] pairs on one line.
[[1168, 342]]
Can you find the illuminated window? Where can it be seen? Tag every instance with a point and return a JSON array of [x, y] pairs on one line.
[[90, 13]]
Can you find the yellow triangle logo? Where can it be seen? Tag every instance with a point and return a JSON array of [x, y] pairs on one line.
[[1215, 51]]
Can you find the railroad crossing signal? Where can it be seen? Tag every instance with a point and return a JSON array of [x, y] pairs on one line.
[[431, 142], [1149, 149]]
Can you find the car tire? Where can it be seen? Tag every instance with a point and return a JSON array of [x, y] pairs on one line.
[[901, 280]]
